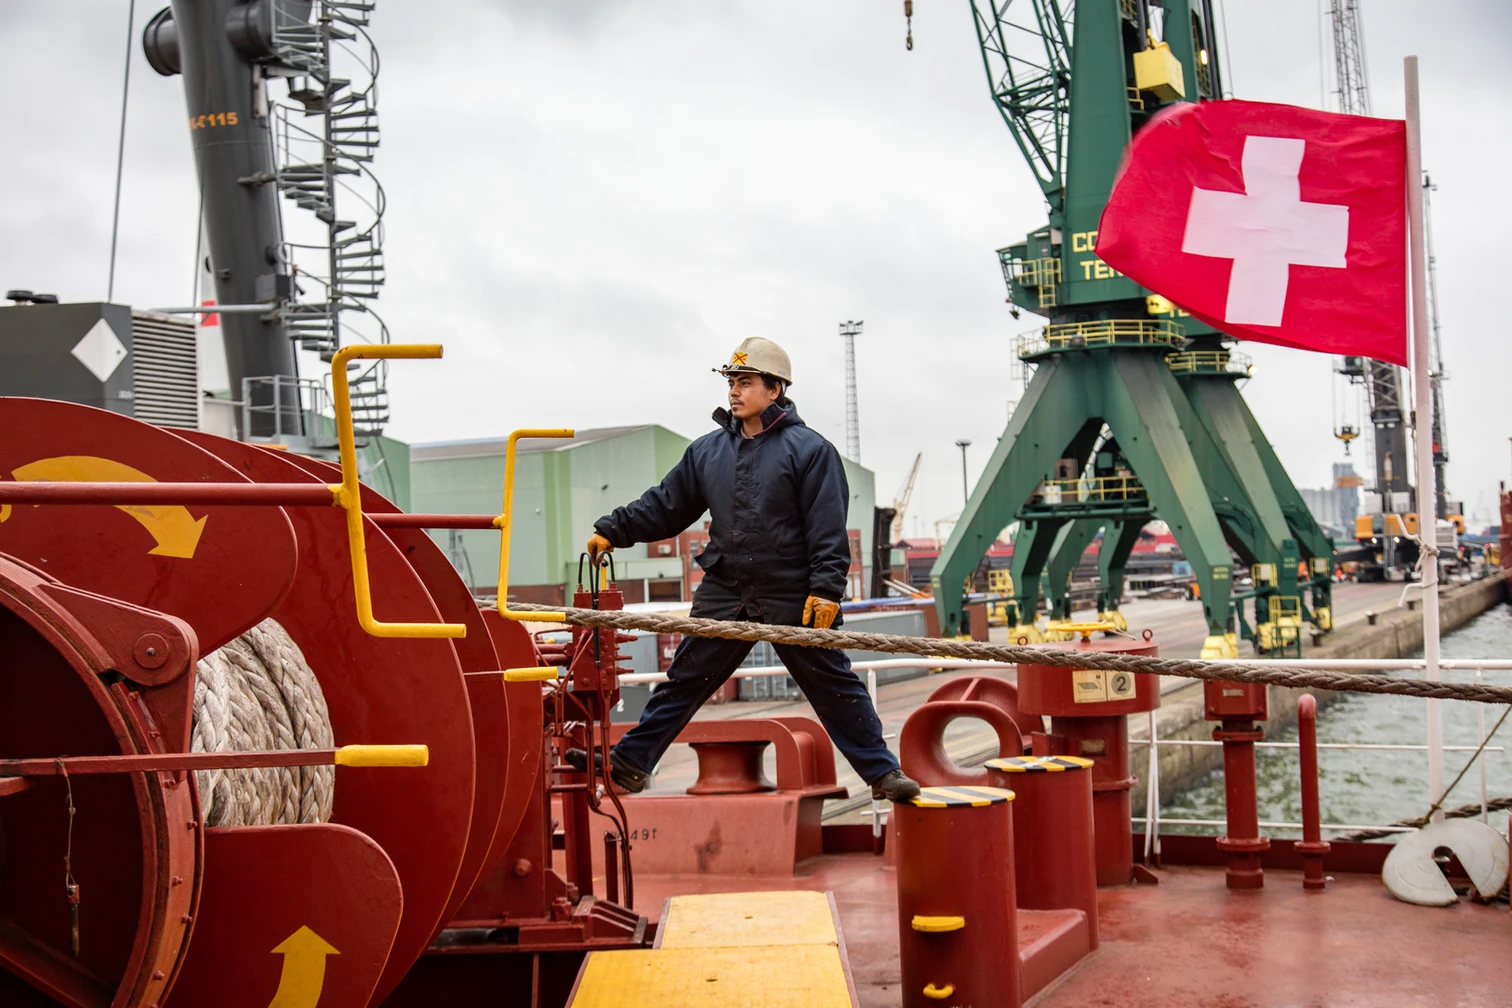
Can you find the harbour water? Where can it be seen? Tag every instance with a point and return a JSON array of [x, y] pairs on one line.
[[1370, 787]]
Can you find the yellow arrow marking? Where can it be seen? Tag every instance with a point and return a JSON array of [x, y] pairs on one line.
[[176, 531], [304, 968]]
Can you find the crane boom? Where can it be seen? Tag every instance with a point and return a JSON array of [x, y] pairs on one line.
[[900, 503], [1383, 382], [1436, 370], [1026, 49]]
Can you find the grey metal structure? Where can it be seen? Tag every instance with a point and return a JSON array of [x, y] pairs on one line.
[[1382, 381], [849, 331], [103, 355], [1436, 370], [249, 149]]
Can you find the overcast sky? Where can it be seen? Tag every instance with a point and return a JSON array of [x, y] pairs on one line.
[[592, 201]]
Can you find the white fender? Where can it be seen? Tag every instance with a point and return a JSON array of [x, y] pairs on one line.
[[1411, 874]]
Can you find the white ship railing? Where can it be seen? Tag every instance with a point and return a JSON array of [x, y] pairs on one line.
[[1152, 818]]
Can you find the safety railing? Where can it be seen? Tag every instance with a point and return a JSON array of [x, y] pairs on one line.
[[1224, 362], [1039, 275], [284, 402], [1092, 490], [1152, 816], [1156, 333], [1152, 819]]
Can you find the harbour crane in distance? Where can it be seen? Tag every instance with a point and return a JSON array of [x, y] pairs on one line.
[[900, 501], [1384, 528], [1074, 81]]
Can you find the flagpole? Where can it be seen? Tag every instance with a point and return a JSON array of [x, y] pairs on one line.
[[1427, 492]]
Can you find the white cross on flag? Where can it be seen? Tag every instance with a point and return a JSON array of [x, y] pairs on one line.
[[1269, 222]]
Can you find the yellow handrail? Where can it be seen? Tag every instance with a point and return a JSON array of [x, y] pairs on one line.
[[348, 493], [382, 755], [503, 522]]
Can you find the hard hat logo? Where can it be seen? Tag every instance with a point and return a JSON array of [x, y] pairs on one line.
[[761, 356]]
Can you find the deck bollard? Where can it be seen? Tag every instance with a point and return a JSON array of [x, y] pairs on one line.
[[1237, 706], [1055, 866], [1312, 846], [957, 917]]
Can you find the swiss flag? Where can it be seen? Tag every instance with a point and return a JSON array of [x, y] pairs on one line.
[[1269, 222]]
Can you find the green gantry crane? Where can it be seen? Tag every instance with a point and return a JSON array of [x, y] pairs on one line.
[[1133, 411]]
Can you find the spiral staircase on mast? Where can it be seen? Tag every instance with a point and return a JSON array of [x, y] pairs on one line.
[[327, 134]]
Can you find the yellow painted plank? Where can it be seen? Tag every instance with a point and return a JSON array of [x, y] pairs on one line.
[[802, 976], [706, 920]]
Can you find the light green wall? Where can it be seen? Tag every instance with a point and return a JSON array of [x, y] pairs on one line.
[[559, 494], [860, 513], [390, 469]]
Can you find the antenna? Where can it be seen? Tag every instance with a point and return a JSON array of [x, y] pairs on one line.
[[850, 330]]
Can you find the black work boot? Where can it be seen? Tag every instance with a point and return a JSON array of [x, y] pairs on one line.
[[626, 777], [895, 787]]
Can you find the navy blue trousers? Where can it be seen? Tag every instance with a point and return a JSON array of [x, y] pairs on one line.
[[702, 664]]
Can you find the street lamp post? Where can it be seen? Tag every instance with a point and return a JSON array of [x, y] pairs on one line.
[[963, 444]]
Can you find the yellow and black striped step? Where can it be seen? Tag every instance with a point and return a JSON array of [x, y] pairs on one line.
[[1038, 764], [956, 796]]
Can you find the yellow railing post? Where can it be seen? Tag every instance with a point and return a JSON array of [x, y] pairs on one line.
[[503, 521], [348, 493]]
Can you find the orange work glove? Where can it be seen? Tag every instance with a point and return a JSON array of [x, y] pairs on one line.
[[821, 611], [598, 544]]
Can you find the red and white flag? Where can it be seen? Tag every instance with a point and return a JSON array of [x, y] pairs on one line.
[[1269, 222]]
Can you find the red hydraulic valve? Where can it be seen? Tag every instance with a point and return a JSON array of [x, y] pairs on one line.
[[1312, 846], [1089, 711], [1237, 706]]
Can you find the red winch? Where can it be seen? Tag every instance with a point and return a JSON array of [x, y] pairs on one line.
[[128, 553]]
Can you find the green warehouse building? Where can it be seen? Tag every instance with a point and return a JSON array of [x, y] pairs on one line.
[[562, 486]]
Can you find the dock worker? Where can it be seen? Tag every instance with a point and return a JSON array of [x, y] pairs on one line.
[[778, 553]]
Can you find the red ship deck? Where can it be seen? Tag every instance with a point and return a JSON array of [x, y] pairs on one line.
[[1191, 941]]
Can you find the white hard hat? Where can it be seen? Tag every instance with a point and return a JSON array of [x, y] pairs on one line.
[[760, 356]]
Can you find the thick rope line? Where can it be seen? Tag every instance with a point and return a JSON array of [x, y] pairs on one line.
[[1462, 812], [934, 647], [257, 693]]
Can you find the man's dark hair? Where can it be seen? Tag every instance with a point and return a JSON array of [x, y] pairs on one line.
[[775, 383]]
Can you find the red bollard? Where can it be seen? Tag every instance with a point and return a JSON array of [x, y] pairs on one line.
[[1055, 867], [957, 922], [1312, 846], [1089, 714], [1238, 706]]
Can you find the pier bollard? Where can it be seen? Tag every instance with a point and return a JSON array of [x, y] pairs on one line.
[[957, 922], [1237, 706], [1055, 866], [1312, 846]]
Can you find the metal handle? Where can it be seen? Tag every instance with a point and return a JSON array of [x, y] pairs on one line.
[[543, 673], [503, 522], [937, 924], [382, 755], [938, 993], [348, 493]]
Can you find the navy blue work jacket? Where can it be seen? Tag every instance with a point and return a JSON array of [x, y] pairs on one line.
[[778, 503]]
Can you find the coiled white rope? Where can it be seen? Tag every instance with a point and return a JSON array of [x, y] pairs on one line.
[[255, 693]]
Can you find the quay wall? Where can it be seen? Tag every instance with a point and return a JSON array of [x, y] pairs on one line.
[[1397, 633]]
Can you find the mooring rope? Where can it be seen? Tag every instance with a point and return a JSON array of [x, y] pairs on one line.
[[935, 647], [256, 693], [1462, 812]]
